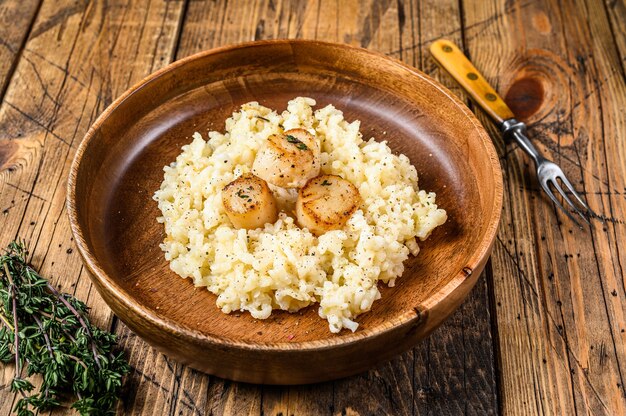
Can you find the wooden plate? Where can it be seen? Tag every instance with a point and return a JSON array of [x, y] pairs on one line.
[[118, 167]]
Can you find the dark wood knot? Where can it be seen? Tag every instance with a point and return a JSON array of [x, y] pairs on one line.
[[535, 83], [525, 97], [8, 150]]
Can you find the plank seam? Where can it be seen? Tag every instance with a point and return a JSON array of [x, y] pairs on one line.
[[20, 51], [495, 336], [606, 167], [593, 239], [613, 37], [179, 30], [495, 356]]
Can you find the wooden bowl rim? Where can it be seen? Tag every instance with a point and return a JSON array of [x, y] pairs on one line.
[[174, 327]]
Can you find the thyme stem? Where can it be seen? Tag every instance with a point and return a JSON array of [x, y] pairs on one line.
[[49, 316], [4, 321], [78, 360], [80, 319], [15, 328], [45, 336]]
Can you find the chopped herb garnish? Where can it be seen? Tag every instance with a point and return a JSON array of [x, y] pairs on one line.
[[240, 194], [263, 118], [325, 183], [296, 141]]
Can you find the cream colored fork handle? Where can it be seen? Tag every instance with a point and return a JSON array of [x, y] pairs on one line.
[[450, 57]]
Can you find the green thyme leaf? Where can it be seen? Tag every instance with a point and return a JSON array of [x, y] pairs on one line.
[[296, 141]]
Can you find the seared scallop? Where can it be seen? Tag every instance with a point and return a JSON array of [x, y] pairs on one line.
[[326, 203], [249, 202], [288, 160]]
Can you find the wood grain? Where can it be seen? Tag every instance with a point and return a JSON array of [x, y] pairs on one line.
[[455, 369], [521, 40], [559, 291], [16, 19], [78, 57], [616, 10]]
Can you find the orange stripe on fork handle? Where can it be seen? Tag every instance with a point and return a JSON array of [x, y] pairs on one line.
[[450, 57]]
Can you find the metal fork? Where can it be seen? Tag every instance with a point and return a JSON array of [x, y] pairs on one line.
[[549, 173]]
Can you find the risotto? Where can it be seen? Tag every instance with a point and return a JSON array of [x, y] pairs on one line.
[[282, 266]]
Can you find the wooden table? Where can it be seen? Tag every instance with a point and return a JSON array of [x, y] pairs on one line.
[[543, 332]]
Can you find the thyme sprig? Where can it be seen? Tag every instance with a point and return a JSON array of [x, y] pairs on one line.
[[48, 333]]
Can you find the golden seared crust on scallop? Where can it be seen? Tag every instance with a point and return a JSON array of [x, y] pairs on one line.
[[326, 203], [249, 202], [288, 160]]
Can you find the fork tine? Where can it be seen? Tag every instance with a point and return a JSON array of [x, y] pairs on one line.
[[576, 194], [569, 201], [547, 190]]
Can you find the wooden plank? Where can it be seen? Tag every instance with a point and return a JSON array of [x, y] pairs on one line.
[[375, 25], [519, 314], [383, 26], [601, 119], [454, 368], [16, 18], [616, 11], [210, 25], [171, 387], [559, 291], [78, 57]]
